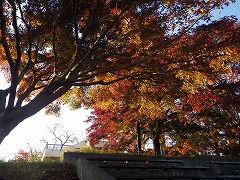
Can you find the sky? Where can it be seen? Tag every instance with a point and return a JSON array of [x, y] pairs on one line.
[[232, 9], [31, 132], [34, 129]]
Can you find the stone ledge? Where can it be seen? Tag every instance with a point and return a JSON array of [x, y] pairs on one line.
[[87, 170], [122, 166]]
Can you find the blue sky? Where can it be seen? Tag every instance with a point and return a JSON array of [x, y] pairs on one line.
[[232, 9], [34, 129]]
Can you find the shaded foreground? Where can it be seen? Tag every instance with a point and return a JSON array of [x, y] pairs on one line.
[[37, 170], [123, 166]]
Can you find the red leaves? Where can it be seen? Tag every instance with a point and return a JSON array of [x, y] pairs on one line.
[[21, 156], [201, 101]]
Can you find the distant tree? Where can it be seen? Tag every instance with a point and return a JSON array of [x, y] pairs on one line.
[[21, 156], [30, 155], [61, 137]]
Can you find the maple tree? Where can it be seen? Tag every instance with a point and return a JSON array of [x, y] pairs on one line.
[[215, 111], [47, 47], [21, 156], [217, 124], [32, 155], [206, 87]]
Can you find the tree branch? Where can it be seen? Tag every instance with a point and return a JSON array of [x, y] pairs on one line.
[[29, 51], [3, 40], [71, 73]]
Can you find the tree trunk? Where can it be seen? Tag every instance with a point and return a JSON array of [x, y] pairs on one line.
[[217, 149], [139, 138], [3, 96], [156, 145], [9, 119]]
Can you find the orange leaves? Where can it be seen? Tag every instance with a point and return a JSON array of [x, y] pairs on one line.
[[152, 109], [101, 42], [4, 66], [23, 85], [201, 101], [120, 88], [115, 11]]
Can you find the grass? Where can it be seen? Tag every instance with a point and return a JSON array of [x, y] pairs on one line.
[[21, 170], [49, 169]]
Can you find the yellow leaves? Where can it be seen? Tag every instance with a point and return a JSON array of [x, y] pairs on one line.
[[22, 86], [126, 26], [231, 51], [152, 109], [103, 96], [53, 109], [135, 39], [107, 104], [111, 43], [153, 102], [220, 64], [191, 80], [189, 11], [226, 56], [173, 66], [74, 98], [36, 23]]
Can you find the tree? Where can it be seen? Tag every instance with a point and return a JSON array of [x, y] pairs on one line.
[[47, 47], [21, 156], [153, 102], [32, 155], [61, 137]]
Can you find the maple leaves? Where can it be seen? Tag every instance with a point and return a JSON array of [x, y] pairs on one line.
[[63, 51], [202, 100], [50, 44], [182, 102]]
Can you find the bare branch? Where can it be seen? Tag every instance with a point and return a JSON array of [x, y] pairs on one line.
[[61, 136]]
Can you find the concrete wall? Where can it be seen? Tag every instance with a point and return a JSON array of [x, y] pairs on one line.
[[152, 167], [88, 171], [52, 153]]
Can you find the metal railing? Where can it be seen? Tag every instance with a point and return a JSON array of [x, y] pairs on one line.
[[56, 146]]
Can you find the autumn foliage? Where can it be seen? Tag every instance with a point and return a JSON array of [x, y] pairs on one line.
[[193, 110], [163, 66]]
